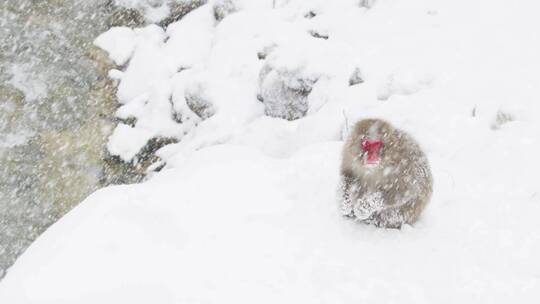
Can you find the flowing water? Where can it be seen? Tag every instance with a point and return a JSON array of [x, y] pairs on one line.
[[56, 111]]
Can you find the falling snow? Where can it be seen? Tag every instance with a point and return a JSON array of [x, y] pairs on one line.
[[235, 113]]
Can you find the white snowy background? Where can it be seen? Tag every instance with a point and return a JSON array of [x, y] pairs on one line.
[[245, 209]]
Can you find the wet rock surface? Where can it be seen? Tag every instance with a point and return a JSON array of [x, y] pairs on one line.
[[56, 112]]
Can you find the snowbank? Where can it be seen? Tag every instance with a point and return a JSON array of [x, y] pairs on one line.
[[245, 209]]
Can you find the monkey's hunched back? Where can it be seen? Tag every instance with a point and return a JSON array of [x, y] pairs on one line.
[[385, 176]]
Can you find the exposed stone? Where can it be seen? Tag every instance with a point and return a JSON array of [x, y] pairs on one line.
[[126, 17], [367, 3], [262, 54], [284, 94], [180, 8], [356, 77], [501, 118], [319, 34], [120, 172], [199, 102], [310, 15], [223, 8], [59, 158]]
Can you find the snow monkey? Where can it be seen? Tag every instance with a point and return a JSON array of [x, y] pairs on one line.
[[385, 176]]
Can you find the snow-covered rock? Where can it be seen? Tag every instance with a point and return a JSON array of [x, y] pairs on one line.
[[119, 43], [153, 10], [198, 101], [284, 94], [293, 70], [223, 8]]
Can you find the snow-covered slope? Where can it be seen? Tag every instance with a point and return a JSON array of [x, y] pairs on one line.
[[245, 209]]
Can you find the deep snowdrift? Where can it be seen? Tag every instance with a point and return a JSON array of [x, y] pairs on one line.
[[245, 209]]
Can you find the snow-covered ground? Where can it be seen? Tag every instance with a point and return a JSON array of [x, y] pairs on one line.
[[245, 210]]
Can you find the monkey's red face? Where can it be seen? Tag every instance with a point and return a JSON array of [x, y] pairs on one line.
[[373, 149]]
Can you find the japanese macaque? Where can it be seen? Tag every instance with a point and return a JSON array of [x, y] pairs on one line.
[[386, 180]]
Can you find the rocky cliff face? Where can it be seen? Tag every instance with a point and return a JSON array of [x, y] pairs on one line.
[[56, 112]]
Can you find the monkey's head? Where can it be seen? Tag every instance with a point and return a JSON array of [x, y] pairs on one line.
[[370, 140]]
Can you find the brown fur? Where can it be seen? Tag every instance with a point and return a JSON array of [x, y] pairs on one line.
[[403, 177]]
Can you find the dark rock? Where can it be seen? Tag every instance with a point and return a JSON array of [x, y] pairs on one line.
[[199, 103], [367, 3], [126, 17], [181, 8], [356, 77], [317, 34], [265, 52], [223, 8], [310, 15]]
